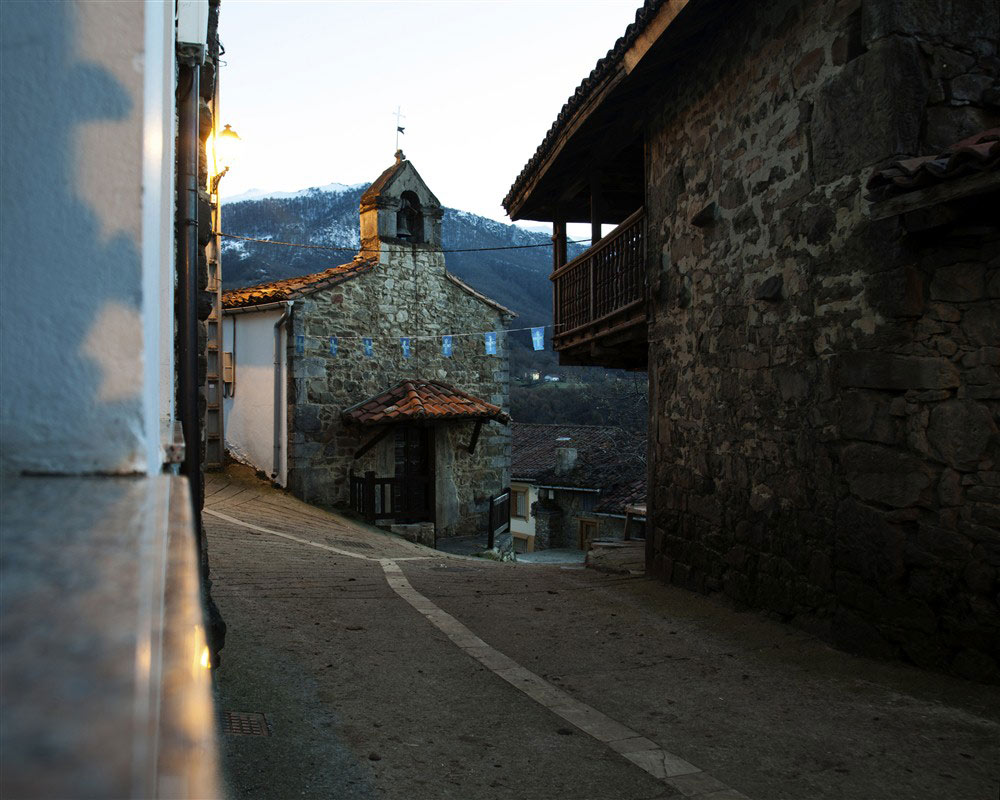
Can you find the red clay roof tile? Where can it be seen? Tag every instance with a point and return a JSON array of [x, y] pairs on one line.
[[422, 400], [976, 154], [292, 288]]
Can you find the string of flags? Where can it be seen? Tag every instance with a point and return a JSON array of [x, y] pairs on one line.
[[490, 342]]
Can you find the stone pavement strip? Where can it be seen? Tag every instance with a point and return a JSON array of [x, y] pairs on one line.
[[805, 722]]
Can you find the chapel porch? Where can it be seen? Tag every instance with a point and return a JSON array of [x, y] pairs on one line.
[[411, 438]]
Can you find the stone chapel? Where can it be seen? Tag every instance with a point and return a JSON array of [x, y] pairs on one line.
[[371, 383]]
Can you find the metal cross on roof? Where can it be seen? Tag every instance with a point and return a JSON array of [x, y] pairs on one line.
[[399, 128]]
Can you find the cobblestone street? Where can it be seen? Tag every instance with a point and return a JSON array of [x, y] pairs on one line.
[[387, 670]]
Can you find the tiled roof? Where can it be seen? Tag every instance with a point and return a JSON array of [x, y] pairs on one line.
[[604, 68], [976, 154], [606, 456], [373, 191], [625, 494], [423, 400], [292, 288]]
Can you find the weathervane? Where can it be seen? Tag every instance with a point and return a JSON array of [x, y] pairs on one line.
[[399, 128]]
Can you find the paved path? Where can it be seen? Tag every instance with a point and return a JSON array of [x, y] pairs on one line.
[[388, 670]]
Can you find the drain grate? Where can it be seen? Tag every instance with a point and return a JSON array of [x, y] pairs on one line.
[[244, 723], [355, 545]]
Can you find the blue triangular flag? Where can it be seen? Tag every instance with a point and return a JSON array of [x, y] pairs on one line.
[[334, 345], [367, 344], [491, 343], [446, 346], [538, 338], [404, 341]]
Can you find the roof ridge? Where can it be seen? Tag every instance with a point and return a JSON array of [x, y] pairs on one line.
[[643, 15]]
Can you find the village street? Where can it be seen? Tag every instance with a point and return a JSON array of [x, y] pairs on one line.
[[387, 670]]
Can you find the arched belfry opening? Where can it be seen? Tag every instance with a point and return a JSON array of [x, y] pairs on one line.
[[410, 218], [398, 208]]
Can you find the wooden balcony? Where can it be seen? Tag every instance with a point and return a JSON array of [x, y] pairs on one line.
[[599, 301]]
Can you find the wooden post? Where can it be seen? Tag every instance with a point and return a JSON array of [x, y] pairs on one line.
[[369, 496], [475, 436], [489, 525], [596, 209], [558, 260], [558, 242]]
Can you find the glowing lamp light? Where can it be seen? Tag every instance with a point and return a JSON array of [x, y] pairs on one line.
[[226, 144]]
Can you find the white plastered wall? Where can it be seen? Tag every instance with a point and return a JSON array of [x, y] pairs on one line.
[[518, 525], [86, 263], [249, 413]]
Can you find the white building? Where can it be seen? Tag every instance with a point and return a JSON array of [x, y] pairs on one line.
[[102, 628]]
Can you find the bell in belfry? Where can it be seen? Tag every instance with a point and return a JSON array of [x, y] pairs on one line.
[[409, 221], [403, 226]]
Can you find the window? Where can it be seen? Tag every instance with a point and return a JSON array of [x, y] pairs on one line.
[[228, 374], [519, 508]]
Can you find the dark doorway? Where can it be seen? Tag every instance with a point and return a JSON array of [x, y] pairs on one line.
[[413, 491]]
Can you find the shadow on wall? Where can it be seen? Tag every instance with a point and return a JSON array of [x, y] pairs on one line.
[[71, 299]]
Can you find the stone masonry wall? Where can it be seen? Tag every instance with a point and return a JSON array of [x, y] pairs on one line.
[[406, 294], [576, 506], [824, 388]]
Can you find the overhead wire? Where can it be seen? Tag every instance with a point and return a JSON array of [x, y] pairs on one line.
[[370, 250]]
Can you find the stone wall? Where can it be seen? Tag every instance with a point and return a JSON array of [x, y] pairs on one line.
[[576, 506], [824, 388], [408, 293], [557, 521]]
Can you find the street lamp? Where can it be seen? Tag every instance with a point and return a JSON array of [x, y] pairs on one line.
[[227, 143]]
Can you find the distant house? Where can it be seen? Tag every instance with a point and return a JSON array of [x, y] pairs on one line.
[[344, 388], [571, 484], [805, 261]]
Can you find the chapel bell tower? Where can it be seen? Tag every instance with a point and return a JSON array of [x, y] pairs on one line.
[[399, 209]]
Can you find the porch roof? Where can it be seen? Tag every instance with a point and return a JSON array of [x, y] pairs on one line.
[[416, 399]]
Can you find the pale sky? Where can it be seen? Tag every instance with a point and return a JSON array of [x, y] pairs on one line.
[[312, 88]]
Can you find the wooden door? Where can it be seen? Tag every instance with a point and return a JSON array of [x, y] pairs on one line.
[[413, 497], [588, 532]]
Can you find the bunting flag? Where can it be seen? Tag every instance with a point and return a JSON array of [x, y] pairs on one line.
[[492, 341], [538, 338]]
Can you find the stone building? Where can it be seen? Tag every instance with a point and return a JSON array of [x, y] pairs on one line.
[[424, 420], [807, 266]]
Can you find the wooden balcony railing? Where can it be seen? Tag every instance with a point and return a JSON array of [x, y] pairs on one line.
[[604, 289]]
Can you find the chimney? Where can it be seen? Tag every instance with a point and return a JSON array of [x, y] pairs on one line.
[[565, 460]]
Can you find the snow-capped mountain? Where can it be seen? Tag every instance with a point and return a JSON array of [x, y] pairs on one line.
[[328, 215], [260, 194]]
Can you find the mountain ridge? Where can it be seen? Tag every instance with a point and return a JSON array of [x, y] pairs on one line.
[[329, 216]]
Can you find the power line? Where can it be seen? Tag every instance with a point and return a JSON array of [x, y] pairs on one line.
[[394, 337], [368, 250]]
